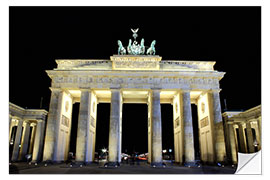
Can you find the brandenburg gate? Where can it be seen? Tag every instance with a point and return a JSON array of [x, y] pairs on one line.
[[135, 77]]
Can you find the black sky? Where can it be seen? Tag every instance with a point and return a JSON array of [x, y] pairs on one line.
[[231, 36]]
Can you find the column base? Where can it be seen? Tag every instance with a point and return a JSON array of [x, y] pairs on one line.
[[112, 164], [50, 162], [190, 164], [79, 163], [157, 164]]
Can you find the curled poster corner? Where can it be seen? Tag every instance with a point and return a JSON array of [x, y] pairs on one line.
[[249, 163]]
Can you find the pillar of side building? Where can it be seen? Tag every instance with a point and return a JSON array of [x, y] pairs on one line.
[[156, 147], [250, 139], [83, 148], [53, 123], [242, 139], [17, 143], [32, 139], [11, 125], [38, 142], [115, 128], [219, 139], [232, 141], [25, 140], [259, 125], [227, 139], [258, 134], [188, 137]]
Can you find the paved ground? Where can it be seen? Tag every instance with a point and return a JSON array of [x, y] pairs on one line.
[[142, 168]]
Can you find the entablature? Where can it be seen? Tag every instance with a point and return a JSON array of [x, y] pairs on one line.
[[27, 114], [138, 79]]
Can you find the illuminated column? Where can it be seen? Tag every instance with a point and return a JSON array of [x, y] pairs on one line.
[[259, 132], [83, 142], [43, 124], [232, 143], [250, 138], [218, 135], [115, 128], [10, 126], [259, 125], [10, 121], [121, 109], [25, 140], [33, 125], [242, 139], [17, 142], [156, 128], [93, 120], [189, 155], [37, 142], [53, 123], [149, 129]]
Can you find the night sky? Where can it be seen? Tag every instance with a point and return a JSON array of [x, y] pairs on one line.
[[231, 36]]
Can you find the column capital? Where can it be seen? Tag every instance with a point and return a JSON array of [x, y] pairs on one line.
[[185, 90], [158, 89], [215, 90], [18, 120], [26, 122], [240, 123], [115, 89], [248, 122], [55, 89], [33, 124], [85, 89], [40, 121]]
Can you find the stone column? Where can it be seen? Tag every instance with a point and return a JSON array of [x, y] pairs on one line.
[[37, 142], [149, 128], [218, 135], [10, 126], [243, 147], [30, 151], [43, 124], [227, 139], [115, 129], [258, 134], [189, 154], [232, 141], [15, 153], [10, 121], [83, 127], [250, 139], [25, 141], [156, 128], [53, 123], [259, 125]]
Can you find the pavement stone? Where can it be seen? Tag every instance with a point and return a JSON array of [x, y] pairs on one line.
[[142, 168]]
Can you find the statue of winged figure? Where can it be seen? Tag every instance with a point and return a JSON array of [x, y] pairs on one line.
[[135, 30], [121, 49], [151, 50], [135, 35]]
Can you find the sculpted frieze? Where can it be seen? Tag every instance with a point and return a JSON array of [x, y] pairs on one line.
[[135, 65], [136, 81]]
